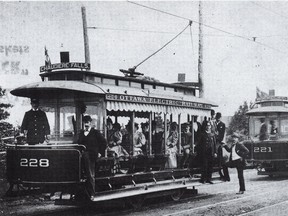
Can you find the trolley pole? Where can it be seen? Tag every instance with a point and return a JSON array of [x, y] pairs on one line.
[[86, 41], [200, 54]]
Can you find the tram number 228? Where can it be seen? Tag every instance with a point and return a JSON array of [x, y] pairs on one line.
[[262, 149], [33, 162]]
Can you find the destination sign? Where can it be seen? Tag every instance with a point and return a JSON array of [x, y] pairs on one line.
[[271, 98], [158, 101], [66, 65]]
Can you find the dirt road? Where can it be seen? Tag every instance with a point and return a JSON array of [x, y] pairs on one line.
[[264, 196]]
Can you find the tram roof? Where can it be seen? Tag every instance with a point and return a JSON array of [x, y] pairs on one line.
[[45, 88], [268, 109], [120, 98]]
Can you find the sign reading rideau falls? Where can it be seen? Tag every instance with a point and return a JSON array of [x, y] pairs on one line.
[[153, 100], [66, 65]]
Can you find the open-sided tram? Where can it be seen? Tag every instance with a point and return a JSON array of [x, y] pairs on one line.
[[70, 90], [268, 131]]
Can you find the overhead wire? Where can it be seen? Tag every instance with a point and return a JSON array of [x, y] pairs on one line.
[[156, 32], [269, 10], [253, 39], [190, 23]]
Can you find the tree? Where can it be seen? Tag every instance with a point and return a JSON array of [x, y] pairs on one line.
[[239, 121], [5, 127]]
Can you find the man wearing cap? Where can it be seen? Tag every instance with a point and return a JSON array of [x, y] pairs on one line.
[[237, 154], [219, 138], [35, 124], [186, 142], [95, 145], [206, 152]]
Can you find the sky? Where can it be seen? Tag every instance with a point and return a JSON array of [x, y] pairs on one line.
[[245, 43]]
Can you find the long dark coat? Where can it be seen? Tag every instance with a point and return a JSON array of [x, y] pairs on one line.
[[94, 142], [37, 126]]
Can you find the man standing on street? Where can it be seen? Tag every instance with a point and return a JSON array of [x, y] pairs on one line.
[[220, 136], [95, 145]]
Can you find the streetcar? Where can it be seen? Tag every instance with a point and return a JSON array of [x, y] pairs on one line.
[[268, 135], [70, 90]]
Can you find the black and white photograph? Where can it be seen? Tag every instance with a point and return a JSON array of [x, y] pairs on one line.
[[139, 108]]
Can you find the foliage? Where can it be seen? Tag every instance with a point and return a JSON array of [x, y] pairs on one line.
[[6, 129], [239, 122]]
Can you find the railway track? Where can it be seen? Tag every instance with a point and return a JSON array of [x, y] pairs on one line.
[[263, 195]]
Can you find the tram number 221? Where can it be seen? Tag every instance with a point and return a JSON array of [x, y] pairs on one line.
[[33, 162], [262, 149]]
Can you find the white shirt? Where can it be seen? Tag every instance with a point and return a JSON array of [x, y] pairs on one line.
[[86, 132], [195, 126], [235, 156]]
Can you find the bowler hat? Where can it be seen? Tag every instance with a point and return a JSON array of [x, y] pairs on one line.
[[186, 124], [34, 100], [218, 115], [235, 135], [87, 118]]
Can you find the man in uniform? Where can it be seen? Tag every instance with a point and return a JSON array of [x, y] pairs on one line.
[[35, 124]]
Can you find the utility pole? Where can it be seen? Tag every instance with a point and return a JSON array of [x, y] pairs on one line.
[[200, 54], [86, 41]]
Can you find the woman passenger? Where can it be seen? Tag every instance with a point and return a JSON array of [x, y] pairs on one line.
[[171, 146], [139, 140], [115, 141]]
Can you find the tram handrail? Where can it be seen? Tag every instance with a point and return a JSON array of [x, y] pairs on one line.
[[43, 145]]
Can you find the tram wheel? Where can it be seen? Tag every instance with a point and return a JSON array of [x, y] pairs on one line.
[[177, 195], [136, 202]]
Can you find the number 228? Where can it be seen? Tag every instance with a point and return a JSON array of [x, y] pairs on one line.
[[33, 162]]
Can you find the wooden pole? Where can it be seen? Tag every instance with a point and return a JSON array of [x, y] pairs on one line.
[[86, 41], [200, 54]]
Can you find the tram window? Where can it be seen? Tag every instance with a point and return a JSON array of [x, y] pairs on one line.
[[160, 87], [135, 84], [67, 123], [58, 77], [97, 79], [169, 89], [147, 86], [50, 113], [284, 127], [123, 83], [257, 131], [89, 78], [273, 128], [95, 112], [277, 103], [74, 76], [109, 81]]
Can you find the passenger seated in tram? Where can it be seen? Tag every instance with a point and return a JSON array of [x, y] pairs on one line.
[[273, 130], [263, 135], [157, 137], [109, 126], [197, 130], [186, 142], [171, 146], [139, 140], [115, 141], [145, 131]]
